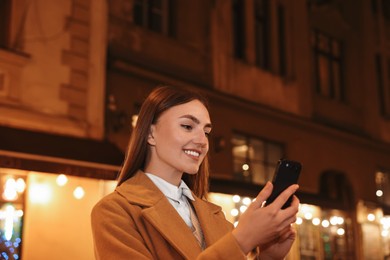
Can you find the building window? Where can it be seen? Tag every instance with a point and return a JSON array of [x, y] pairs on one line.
[[328, 66], [5, 11], [255, 159], [238, 12], [383, 84], [155, 15], [262, 33]]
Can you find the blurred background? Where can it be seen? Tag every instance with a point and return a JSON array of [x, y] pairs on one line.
[[307, 80]]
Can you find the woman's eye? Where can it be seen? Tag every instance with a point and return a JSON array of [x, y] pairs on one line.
[[187, 127], [207, 134]]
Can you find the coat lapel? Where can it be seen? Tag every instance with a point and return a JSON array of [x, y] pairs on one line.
[[212, 226], [140, 190]]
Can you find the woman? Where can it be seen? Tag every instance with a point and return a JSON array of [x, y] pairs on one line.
[[159, 211]]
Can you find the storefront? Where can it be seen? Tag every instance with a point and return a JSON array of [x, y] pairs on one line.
[[48, 186]]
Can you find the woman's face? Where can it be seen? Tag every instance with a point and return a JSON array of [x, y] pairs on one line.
[[179, 140]]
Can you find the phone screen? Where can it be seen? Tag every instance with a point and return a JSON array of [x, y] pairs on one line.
[[286, 173]]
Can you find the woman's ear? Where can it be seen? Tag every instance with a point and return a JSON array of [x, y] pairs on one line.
[[151, 140]]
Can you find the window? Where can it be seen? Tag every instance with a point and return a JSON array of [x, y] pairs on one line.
[[383, 85], [5, 10], [155, 15], [239, 29], [255, 159], [328, 66], [262, 33]]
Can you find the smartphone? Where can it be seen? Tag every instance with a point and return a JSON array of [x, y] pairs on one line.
[[286, 173]]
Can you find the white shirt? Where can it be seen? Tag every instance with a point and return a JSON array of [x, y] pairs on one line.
[[175, 196]]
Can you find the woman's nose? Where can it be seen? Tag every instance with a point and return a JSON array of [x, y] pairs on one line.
[[201, 138]]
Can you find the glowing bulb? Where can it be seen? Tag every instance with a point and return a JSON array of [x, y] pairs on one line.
[[245, 167], [308, 215], [379, 193], [79, 192], [243, 208], [62, 180], [10, 192], [9, 222], [371, 217], [234, 212], [325, 223], [236, 198], [316, 221], [340, 231], [20, 185], [334, 220], [246, 201], [340, 220], [385, 233], [299, 221]]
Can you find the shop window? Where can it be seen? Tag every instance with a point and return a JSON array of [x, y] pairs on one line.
[[383, 83], [324, 233], [155, 15], [327, 53], [5, 10], [255, 159], [382, 180]]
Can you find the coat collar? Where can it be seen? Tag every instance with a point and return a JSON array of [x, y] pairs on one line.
[[157, 210]]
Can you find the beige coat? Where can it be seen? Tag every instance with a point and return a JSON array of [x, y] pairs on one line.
[[137, 221]]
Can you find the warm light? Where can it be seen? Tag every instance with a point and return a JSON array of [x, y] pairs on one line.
[[234, 212], [245, 167], [371, 217], [9, 222], [134, 119], [236, 198], [40, 193], [20, 185], [243, 208], [334, 220], [62, 180], [10, 192], [246, 201], [316, 221], [308, 215], [340, 231], [385, 233], [325, 223], [235, 224], [340, 220], [298, 221], [379, 193], [79, 192]]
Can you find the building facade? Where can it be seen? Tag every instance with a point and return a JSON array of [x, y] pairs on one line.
[[306, 80]]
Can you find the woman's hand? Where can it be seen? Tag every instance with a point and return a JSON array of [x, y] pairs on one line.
[[279, 248], [265, 226]]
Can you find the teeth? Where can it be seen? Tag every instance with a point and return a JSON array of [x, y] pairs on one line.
[[193, 153]]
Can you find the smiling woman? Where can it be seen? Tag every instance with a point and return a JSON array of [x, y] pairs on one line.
[[159, 208]]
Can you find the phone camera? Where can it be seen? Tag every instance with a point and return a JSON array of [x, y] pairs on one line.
[[287, 164]]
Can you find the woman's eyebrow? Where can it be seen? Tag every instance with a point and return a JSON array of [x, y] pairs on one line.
[[196, 120]]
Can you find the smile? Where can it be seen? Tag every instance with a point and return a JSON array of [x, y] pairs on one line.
[[193, 153]]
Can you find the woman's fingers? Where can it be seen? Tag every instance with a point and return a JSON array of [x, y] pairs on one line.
[[283, 197], [263, 195]]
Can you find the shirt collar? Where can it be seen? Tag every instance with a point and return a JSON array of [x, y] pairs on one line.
[[169, 190]]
